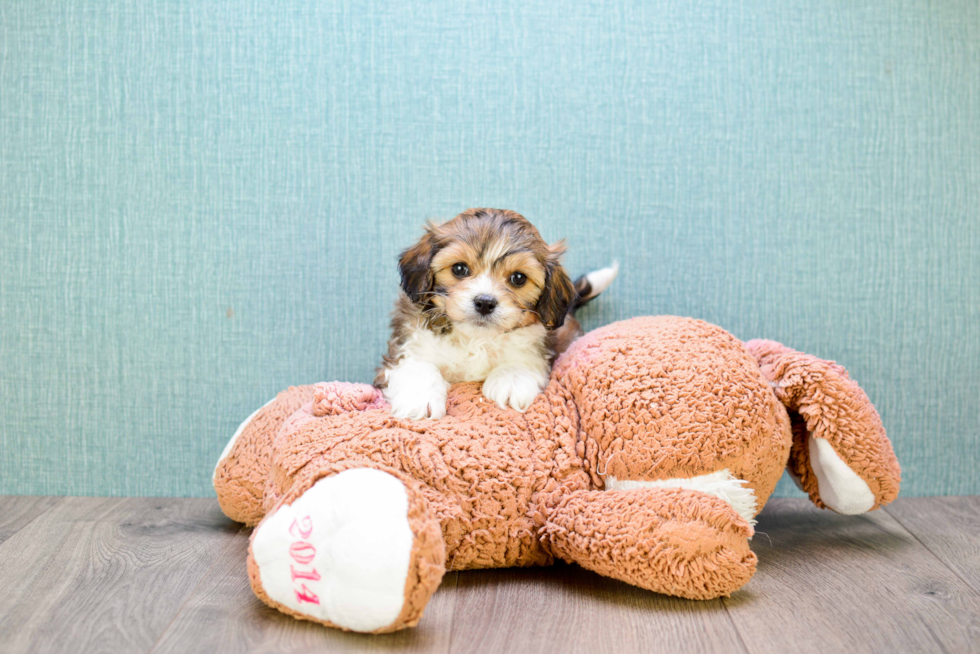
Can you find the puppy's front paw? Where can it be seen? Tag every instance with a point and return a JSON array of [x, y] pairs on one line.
[[515, 386], [416, 390], [417, 404]]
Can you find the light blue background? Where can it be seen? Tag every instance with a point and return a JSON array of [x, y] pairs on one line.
[[202, 203]]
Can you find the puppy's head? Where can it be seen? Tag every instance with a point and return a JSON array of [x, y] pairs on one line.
[[488, 268]]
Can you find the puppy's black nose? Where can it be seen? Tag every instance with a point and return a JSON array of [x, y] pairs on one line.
[[485, 304]]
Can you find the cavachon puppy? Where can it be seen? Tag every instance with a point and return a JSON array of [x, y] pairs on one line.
[[483, 298]]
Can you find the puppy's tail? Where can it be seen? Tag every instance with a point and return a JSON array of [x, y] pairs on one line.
[[588, 287]]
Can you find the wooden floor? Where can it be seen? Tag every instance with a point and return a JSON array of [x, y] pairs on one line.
[[168, 575]]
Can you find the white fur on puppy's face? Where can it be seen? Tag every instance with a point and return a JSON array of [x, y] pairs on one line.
[[461, 307], [511, 277], [485, 252]]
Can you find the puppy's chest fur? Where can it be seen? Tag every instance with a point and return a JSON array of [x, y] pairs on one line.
[[466, 354]]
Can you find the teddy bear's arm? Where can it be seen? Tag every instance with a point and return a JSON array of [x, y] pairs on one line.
[[669, 540], [841, 455]]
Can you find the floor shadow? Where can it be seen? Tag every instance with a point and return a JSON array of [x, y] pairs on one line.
[[579, 582]]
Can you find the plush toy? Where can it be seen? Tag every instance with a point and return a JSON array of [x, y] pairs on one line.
[[646, 459]]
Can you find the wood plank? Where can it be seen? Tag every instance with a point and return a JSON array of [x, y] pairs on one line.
[[223, 615], [832, 583], [16, 511], [949, 527], [104, 574], [567, 609], [87, 574]]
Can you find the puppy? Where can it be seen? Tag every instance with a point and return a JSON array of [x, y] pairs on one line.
[[483, 298]]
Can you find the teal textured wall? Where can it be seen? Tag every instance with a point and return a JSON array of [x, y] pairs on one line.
[[202, 203]]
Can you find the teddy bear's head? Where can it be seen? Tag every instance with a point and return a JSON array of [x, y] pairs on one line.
[[664, 398]]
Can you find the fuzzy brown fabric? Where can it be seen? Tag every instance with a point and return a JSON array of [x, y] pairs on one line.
[[644, 399], [241, 477], [826, 403], [669, 540], [478, 469], [665, 397]]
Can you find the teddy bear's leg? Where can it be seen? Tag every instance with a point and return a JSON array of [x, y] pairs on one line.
[[840, 456], [243, 469], [669, 540], [350, 547], [240, 475]]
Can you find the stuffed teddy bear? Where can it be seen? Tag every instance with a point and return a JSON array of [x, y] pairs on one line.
[[646, 459]]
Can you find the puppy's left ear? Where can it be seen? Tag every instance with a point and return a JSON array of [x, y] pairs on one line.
[[415, 263], [558, 292]]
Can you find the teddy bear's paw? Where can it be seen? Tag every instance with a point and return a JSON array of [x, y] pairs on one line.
[[340, 553], [515, 386], [334, 398], [416, 390]]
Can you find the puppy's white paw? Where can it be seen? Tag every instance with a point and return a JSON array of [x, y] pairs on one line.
[[513, 385], [416, 390], [418, 404]]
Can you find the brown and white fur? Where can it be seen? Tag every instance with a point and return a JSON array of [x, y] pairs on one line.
[[483, 298]]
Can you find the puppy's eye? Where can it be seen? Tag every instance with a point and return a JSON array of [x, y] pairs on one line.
[[518, 279], [461, 270]]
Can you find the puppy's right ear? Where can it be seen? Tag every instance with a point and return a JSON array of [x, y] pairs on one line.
[[415, 266]]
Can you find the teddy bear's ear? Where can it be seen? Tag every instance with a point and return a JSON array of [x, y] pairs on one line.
[[558, 292], [841, 455], [415, 266]]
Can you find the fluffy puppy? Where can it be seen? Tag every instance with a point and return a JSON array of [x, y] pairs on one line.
[[483, 298]]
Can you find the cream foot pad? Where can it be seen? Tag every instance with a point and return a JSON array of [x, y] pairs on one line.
[[340, 552]]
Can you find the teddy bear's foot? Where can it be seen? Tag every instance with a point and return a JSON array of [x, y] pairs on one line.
[[356, 550]]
